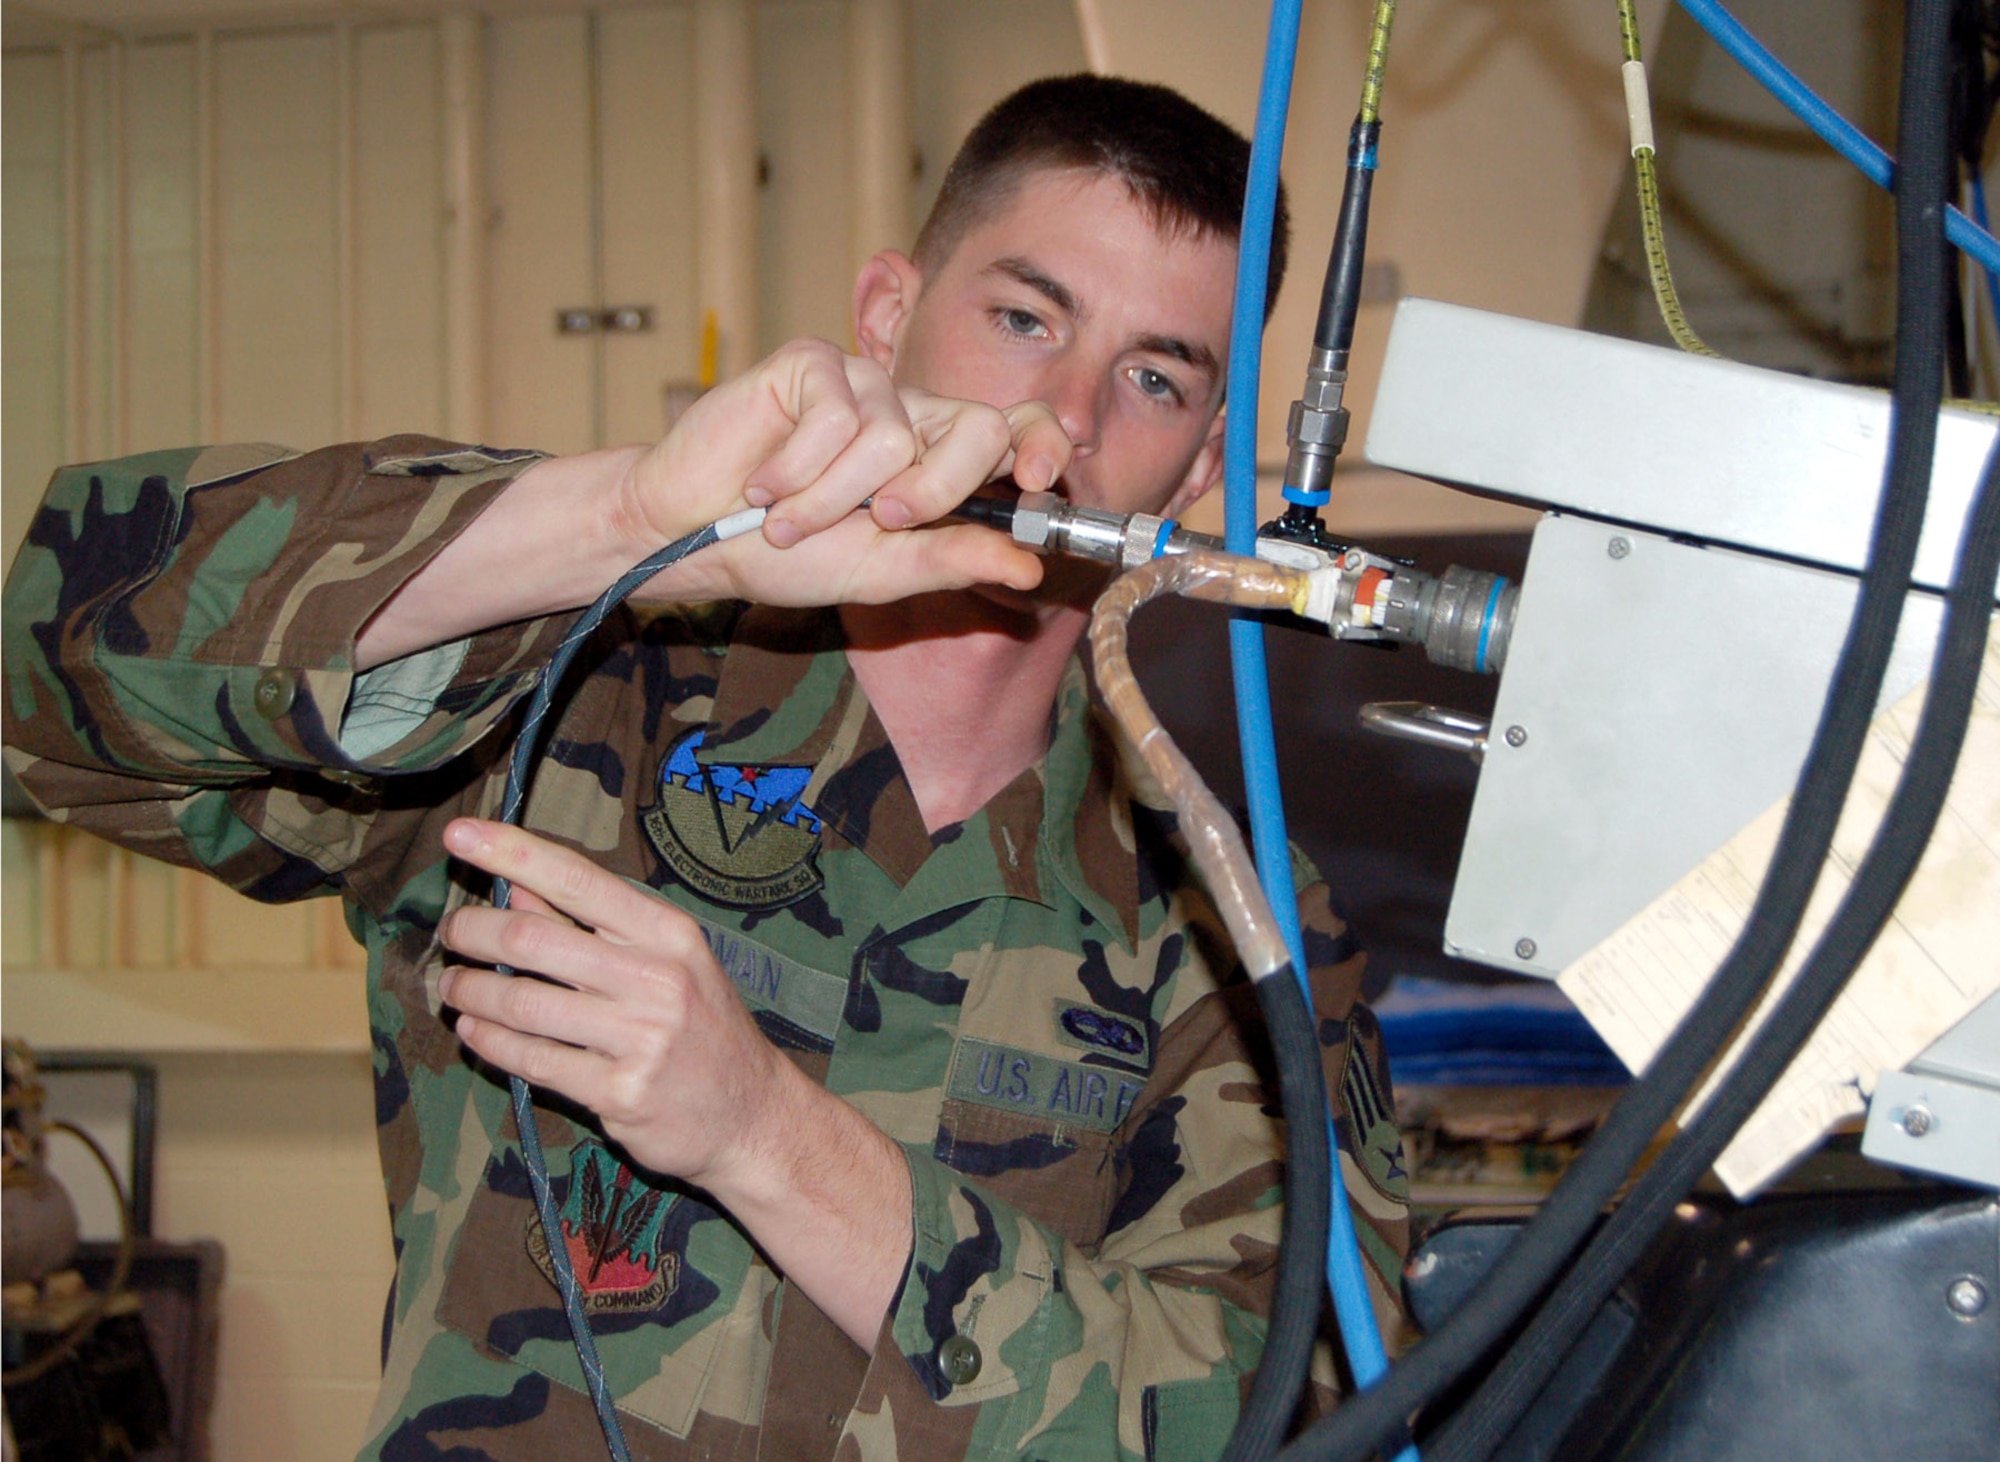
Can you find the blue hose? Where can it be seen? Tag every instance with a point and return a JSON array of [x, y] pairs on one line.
[[1835, 130], [1353, 1308], [1976, 196]]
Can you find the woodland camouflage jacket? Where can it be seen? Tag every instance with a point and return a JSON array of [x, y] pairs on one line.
[[1036, 1003]]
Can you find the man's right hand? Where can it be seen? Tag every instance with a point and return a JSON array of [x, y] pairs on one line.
[[813, 435], [808, 432]]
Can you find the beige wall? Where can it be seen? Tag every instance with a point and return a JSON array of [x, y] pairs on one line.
[[274, 1154], [306, 303], [245, 232]]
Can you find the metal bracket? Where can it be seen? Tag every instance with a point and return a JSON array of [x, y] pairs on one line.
[[1429, 725]]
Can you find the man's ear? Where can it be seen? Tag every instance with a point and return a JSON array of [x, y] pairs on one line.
[[885, 292], [1202, 474]]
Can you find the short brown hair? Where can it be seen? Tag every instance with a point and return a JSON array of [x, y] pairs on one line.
[[1186, 167]]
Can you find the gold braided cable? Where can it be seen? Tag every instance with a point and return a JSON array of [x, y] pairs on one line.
[[1378, 61], [1628, 28], [1650, 223], [1643, 165], [1657, 268]]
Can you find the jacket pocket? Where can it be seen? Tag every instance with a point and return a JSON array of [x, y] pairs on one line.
[[673, 1291]]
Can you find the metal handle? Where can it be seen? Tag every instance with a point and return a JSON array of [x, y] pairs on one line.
[[1430, 725]]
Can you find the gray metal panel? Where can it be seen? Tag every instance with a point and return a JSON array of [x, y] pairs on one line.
[[1668, 696], [1723, 452], [1954, 1088], [1970, 1050], [1958, 1138]]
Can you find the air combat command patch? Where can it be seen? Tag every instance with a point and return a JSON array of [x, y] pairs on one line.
[[736, 835], [613, 1225]]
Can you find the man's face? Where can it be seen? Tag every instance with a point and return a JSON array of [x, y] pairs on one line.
[[1069, 295]]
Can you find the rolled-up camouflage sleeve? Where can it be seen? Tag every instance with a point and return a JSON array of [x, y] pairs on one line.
[[180, 632], [1142, 1346]]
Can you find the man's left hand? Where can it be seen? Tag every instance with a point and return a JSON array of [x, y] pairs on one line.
[[633, 1018]]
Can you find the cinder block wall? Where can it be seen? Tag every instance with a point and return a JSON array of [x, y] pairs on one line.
[[275, 1156]]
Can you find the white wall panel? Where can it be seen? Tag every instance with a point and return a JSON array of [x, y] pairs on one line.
[[31, 205], [647, 96], [160, 328], [970, 53], [97, 432], [398, 309], [879, 127], [277, 240], [539, 187], [803, 96], [726, 191]]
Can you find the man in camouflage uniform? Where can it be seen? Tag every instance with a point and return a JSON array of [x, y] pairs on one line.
[[917, 1108]]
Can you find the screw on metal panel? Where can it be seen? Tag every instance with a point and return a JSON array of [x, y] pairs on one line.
[[1917, 1120], [1524, 948], [1517, 735], [1619, 547], [1967, 1297]]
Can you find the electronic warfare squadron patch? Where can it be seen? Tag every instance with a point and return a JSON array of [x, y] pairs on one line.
[[612, 1225], [736, 835]]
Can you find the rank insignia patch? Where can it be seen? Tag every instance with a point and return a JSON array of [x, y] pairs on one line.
[[1377, 1140], [612, 1224], [736, 835]]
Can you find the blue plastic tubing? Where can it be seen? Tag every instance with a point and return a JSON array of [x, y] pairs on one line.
[[1835, 130], [1351, 1303], [1976, 195]]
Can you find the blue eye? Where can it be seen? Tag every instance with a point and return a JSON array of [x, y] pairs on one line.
[[1020, 322], [1152, 383]]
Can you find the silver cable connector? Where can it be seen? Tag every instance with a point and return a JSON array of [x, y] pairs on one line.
[[1048, 523], [1463, 618], [1316, 428]]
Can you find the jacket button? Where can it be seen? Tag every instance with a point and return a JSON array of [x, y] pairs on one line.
[[959, 1359], [276, 689]]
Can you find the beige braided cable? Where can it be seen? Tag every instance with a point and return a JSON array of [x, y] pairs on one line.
[[1214, 840]]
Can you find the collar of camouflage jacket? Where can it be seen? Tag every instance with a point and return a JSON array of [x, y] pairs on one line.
[[786, 696]]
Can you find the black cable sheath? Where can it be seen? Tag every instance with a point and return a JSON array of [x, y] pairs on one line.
[[1891, 862], [1340, 292], [525, 747], [1368, 1420], [1295, 1309], [1484, 1422]]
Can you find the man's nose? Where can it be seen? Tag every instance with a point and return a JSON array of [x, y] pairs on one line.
[[1076, 395]]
